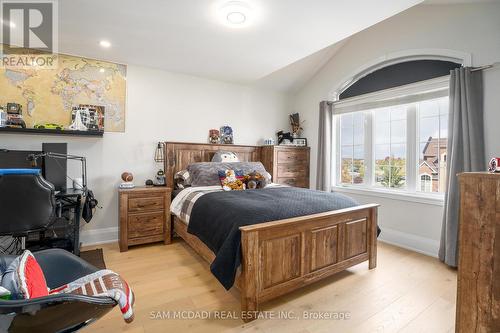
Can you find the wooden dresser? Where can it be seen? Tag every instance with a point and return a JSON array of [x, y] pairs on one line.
[[287, 164], [478, 294], [144, 216]]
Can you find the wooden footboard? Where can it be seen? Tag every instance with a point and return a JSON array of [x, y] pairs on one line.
[[282, 256]]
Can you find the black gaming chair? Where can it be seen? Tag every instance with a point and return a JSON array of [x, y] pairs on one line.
[[27, 204]]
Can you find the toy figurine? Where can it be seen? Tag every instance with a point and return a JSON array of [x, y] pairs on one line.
[[213, 136], [15, 115], [226, 133], [284, 136]]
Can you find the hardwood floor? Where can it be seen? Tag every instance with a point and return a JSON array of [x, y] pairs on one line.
[[407, 292]]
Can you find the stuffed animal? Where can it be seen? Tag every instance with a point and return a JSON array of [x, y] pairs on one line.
[[255, 180], [225, 156], [231, 180], [284, 136]]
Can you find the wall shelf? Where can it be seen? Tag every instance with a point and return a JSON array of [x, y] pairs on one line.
[[45, 131]]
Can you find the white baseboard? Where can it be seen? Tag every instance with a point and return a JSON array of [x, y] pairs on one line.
[[99, 236], [411, 242], [405, 240]]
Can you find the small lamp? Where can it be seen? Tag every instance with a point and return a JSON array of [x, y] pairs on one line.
[[159, 153]]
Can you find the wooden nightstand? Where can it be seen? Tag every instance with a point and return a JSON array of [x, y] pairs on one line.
[[144, 216]]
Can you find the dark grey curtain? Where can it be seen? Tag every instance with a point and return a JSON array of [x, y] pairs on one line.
[[324, 172], [465, 150]]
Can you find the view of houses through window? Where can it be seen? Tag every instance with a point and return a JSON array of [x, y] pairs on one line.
[[403, 141]]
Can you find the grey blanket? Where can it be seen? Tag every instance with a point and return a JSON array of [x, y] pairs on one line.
[[216, 217]]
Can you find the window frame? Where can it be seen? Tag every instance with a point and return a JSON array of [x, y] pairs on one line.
[[409, 94]]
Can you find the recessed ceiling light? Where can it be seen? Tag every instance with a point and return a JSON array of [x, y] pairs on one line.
[[105, 43], [102, 70], [236, 14], [236, 18]]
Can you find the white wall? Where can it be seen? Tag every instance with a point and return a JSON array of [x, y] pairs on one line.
[[473, 29], [161, 106]]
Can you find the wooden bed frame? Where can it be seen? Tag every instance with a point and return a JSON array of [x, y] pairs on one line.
[[281, 256]]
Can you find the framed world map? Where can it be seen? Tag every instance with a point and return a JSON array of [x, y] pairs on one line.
[[48, 95]]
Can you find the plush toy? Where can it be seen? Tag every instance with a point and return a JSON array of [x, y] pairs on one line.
[[255, 180], [282, 136], [225, 156], [231, 180]]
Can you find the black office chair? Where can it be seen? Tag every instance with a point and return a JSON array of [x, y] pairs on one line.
[[27, 204]]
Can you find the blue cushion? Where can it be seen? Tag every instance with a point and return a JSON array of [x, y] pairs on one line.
[[19, 172]]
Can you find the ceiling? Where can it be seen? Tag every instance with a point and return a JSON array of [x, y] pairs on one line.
[[283, 47], [185, 36]]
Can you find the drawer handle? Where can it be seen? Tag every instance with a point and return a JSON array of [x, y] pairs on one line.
[[146, 205]]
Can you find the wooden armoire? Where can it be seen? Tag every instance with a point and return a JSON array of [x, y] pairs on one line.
[[478, 291]]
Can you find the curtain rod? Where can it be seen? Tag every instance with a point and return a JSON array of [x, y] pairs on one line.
[[484, 67]]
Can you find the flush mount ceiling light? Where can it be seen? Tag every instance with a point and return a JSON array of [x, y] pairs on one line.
[[235, 14], [105, 44]]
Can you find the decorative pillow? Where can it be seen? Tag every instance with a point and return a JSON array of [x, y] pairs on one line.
[[232, 180], [182, 179], [207, 173], [225, 156], [24, 278]]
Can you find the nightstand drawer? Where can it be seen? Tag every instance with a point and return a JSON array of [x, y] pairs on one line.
[[140, 225], [292, 156], [295, 182], [292, 170], [146, 204]]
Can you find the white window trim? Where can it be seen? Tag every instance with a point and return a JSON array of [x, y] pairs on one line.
[[423, 198], [428, 89]]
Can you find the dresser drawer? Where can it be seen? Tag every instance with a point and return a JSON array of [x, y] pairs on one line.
[[292, 170], [140, 225], [295, 182], [292, 156], [145, 204]]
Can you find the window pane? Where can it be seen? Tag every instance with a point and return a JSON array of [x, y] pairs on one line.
[[433, 133], [382, 132], [429, 108], [398, 176], [382, 154], [358, 168], [346, 171], [382, 174], [429, 128], [398, 153], [359, 135], [346, 120], [346, 136], [398, 131], [443, 126]]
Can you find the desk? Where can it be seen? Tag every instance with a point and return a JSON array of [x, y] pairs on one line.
[[65, 231]]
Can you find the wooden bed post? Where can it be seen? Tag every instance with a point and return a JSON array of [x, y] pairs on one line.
[[372, 250], [250, 278]]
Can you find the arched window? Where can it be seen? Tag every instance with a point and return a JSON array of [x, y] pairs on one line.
[[425, 183], [387, 114]]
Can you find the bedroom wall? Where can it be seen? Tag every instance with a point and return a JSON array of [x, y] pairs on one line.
[[161, 106], [473, 29]]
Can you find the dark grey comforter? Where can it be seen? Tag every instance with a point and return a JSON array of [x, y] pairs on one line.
[[216, 218]]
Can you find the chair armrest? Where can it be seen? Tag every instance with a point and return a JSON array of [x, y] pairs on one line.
[[61, 267]]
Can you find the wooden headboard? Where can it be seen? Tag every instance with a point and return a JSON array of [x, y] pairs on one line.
[[178, 155]]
